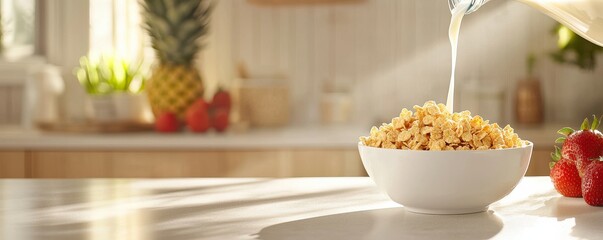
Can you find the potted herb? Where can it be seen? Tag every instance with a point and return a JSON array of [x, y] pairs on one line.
[[115, 87], [574, 50]]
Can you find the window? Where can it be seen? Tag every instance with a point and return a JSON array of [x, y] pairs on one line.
[[18, 19], [115, 29]]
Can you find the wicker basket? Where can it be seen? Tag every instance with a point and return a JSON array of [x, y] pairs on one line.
[[264, 102]]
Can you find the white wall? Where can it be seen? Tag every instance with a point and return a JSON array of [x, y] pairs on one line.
[[67, 39], [391, 54]]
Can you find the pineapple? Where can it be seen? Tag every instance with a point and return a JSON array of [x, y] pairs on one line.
[[175, 27]]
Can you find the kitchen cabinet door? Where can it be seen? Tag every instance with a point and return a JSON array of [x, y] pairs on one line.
[[13, 164]]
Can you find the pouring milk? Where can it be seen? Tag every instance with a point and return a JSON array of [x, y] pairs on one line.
[[584, 17]]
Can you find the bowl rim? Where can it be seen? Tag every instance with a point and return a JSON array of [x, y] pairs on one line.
[[529, 144]]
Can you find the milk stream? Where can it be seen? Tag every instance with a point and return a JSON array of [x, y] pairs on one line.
[[453, 34]]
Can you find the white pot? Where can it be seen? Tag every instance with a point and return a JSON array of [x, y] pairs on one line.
[[120, 107], [132, 107], [101, 109]]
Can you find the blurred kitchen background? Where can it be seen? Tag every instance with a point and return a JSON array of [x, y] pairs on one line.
[[307, 77]]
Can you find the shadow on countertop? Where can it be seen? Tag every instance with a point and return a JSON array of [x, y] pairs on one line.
[[388, 223]]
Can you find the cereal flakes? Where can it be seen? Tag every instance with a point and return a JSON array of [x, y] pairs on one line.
[[433, 127]]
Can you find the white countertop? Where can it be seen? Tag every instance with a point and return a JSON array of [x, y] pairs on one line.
[[295, 208], [290, 137]]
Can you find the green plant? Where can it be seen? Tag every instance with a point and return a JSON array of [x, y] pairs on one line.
[[111, 75], [573, 49]]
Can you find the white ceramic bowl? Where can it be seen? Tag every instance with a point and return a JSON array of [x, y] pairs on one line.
[[446, 182]]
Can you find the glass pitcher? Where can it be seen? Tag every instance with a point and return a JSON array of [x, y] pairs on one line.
[[584, 17]]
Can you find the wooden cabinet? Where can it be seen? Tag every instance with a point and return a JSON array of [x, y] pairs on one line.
[[539, 164], [13, 164], [175, 164], [153, 164]]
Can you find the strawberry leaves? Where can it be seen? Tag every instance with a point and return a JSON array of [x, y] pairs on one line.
[[566, 131], [555, 156], [596, 122], [585, 125], [560, 140]]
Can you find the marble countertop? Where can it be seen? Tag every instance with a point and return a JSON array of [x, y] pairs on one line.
[[291, 137], [294, 208]]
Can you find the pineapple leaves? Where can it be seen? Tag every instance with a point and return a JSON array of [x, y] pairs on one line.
[[175, 28], [156, 7], [173, 16]]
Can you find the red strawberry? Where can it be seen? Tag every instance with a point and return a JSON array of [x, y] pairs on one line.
[[197, 117], [200, 103], [565, 178], [221, 100], [592, 183], [167, 123], [583, 145], [220, 120]]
